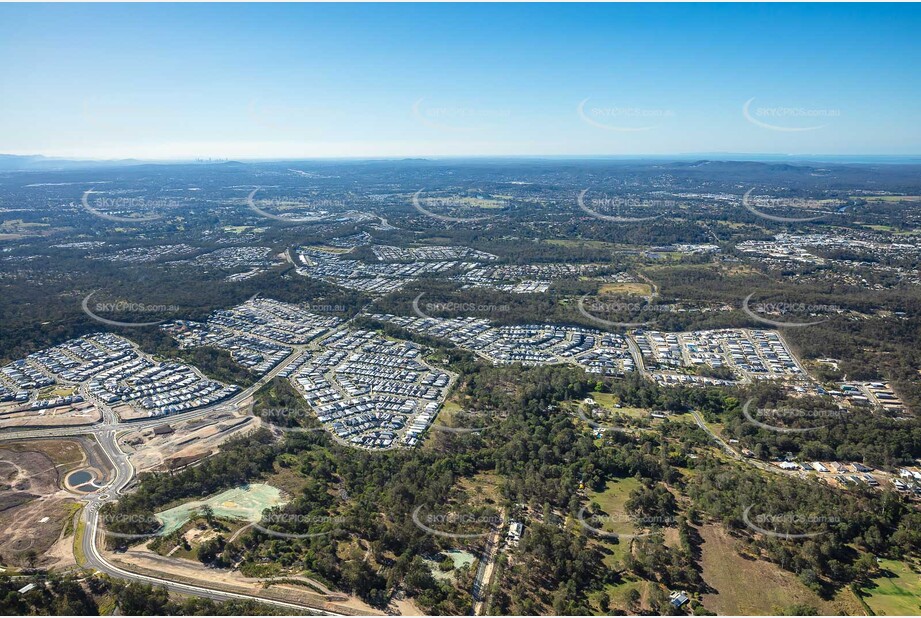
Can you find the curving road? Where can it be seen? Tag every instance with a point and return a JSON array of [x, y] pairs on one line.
[[106, 434], [699, 419]]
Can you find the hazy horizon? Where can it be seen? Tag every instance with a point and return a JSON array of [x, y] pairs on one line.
[[283, 82]]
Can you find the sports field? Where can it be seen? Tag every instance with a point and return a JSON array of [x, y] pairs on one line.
[[246, 502]]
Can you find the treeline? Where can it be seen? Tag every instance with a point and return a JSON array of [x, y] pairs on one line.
[[350, 521], [46, 312], [814, 428], [80, 595], [826, 527], [239, 461]]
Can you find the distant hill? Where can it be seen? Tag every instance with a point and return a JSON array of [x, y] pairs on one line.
[[12, 163]]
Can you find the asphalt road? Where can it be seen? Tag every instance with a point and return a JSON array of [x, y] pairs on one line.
[[106, 434], [733, 452]]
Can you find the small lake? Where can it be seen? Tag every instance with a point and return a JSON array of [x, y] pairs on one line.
[[82, 480]]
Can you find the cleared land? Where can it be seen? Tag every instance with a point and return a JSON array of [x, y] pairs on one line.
[[61, 416], [633, 288], [612, 501], [746, 585], [897, 592], [187, 443], [246, 503], [609, 401], [147, 562], [34, 509], [631, 596]]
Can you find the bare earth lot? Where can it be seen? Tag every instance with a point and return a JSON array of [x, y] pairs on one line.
[[142, 560], [34, 508], [188, 443], [63, 416]]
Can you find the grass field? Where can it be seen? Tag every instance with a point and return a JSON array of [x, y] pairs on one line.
[[897, 592], [608, 401], [890, 229], [482, 489], [634, 288], [612, 501], [605, 399], [662, 271], [106, 605], [620, 594], [56, 391], [64, 453], [447, 413], [489, 203], [246, 503], [888, 198], [328, 249], [445, 418], [745, 585], [588, 244], [79, 556], [461, 559]]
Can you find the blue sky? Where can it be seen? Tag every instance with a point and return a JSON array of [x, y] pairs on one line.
[[285, 81]]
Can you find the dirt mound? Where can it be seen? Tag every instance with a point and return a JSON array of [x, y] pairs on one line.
[[9, 500]]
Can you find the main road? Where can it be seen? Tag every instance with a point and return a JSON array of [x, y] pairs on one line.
[[106, 434]]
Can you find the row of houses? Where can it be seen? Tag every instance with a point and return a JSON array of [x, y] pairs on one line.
[[529, 344], [367, 390], [870, 394], [748, 353], [387, 253], [113, 371], [375, 278]]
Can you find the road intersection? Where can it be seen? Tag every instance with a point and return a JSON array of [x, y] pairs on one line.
[[106, 434]]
